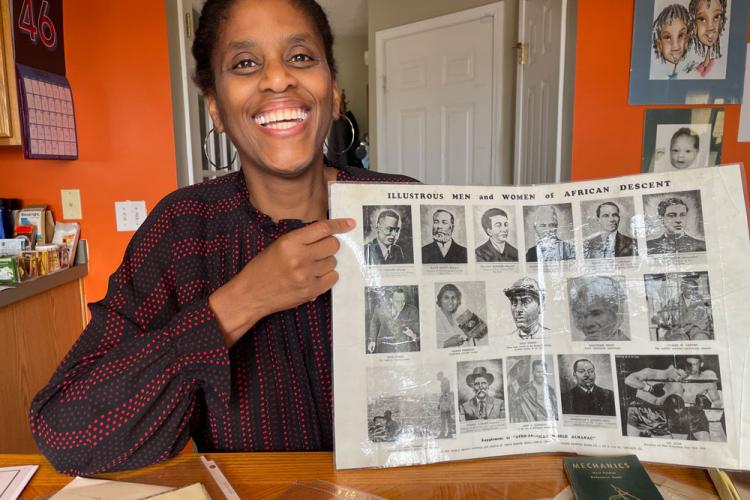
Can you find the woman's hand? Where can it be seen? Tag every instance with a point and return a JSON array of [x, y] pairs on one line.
[[294, 269]]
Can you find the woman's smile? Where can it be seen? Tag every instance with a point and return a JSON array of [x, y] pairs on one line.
[[282, 118]]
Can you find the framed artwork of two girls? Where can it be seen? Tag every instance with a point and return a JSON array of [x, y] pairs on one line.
[[688, 51]]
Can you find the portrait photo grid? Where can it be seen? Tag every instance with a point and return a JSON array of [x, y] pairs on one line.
[[535, 319]]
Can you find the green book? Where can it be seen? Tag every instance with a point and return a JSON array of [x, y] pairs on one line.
[[614, 478]]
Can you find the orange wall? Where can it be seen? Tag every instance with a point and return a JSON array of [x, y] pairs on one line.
[[607, 132], [117, 65]]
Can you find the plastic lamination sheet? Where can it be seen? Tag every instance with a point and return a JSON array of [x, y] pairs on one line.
[[598, 317]]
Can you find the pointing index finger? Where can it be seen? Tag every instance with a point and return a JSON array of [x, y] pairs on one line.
[[324, 228]]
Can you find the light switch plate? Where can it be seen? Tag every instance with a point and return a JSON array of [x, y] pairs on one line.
[[71, 204], [130, 215]]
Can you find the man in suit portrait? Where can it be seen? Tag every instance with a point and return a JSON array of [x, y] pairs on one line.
[[483, 406], [443, 249], [394, 325], [609, 242], [496, 249], [673, 213], [549, 246], [587, 398], [383, 249]]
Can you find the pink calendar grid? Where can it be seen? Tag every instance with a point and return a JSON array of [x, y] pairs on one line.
[[51, 120]]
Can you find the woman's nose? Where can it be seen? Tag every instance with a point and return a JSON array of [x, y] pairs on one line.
[[276, 77]]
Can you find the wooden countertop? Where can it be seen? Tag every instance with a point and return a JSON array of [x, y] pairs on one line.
[[266, 475]]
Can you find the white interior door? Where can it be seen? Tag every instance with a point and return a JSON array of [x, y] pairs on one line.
[[191, 118], [538, 91], [438, 98]]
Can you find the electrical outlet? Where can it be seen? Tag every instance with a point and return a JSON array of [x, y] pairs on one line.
[[71, 204]]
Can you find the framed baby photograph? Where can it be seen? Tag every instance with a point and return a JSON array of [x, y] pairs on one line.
[[688, 51], [679, 139]]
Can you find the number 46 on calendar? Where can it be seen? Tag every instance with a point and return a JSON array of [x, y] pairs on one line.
[[37, 24]]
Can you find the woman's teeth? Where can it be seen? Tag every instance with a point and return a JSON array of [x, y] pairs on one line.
[[281, 119]]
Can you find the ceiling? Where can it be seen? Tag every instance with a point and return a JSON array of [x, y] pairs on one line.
[[347, 17]]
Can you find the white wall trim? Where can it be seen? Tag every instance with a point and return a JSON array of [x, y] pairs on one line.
[[561, 91]]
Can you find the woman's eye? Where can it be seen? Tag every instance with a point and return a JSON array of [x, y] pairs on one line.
[[245, 64], [300, 58]]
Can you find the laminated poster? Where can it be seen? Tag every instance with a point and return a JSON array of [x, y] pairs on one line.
[[600, 317]]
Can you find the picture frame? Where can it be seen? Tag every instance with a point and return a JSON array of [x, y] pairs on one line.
[[675, 59], [682, 128]]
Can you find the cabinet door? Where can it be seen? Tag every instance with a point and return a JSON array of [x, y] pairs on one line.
[[10, 126]]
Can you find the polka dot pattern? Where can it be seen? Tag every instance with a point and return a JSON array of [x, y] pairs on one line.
[[152, 369]]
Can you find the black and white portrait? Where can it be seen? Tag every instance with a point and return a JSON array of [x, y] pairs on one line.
[[391, 319], [682, 146], [408, 403], [495, 230], [671, 397], [690, 39], [531, 389], [480, 393], [549, 233], [682, 138], [679, 306], [609, 228], [598, 308], [387, 235], [443, 234], [461, 314], [674, 223], [526, 300], [586, 385]]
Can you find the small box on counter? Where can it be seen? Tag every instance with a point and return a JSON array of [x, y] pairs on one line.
[[10, 271], [12, 246], [49, 256], [40, 218], [66, 236]]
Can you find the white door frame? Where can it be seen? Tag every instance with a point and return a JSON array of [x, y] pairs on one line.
[[179, 52], [561, 109], [189, 117], [494, 10]]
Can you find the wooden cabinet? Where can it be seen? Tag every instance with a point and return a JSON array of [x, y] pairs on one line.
[[35, 334], [10, 123]]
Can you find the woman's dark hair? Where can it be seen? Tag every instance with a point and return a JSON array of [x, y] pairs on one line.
[[213, 16]]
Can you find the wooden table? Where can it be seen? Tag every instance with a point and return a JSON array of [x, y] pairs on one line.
[[266, 475]]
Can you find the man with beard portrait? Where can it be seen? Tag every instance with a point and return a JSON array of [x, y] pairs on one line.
[[443, 249], [482, 406]]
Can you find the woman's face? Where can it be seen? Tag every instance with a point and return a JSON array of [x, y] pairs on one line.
[[275, 96], [673, 39], [708, 21], [449, 301], [683, 152]]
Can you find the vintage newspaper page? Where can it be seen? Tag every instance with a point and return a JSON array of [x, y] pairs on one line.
[[599, 317]]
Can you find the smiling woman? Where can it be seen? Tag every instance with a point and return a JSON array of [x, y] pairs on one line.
[[216, 325]]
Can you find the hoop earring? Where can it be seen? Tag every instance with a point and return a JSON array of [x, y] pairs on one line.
[[208, 157], [351, 127]]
